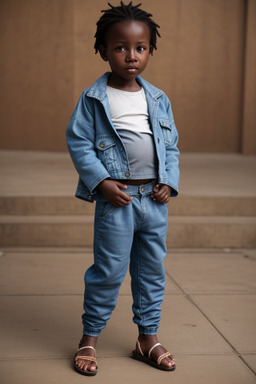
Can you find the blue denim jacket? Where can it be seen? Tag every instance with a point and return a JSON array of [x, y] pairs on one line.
[[97, 150]]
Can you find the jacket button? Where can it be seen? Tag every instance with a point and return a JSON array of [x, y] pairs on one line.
[[89, 197], [102, 145], [127, 174]]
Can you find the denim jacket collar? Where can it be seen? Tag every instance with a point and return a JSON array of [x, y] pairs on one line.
[[98, 89]]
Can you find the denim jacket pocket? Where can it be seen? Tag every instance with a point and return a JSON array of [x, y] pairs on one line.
[[106, 148], [166, 128]]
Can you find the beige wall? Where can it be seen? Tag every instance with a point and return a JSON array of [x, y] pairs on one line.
[[37, 75], [200, 63], [249, 113]]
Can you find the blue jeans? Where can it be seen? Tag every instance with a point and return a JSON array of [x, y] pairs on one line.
[[135, 234]]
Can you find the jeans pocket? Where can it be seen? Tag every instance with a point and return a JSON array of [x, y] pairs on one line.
[[106, 209]]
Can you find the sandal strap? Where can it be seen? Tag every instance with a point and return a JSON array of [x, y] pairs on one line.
[[87, 346], [160, 358], [139, 347], [151, 349], [90, 358]]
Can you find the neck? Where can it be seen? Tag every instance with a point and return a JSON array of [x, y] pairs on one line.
[[123, 84]]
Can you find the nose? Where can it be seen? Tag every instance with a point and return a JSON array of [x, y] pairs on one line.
[[131, 55]]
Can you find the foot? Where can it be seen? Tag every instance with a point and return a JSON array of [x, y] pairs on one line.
[[147, 342], [86, 365]]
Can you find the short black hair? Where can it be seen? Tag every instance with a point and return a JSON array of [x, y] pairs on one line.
[[122, 13]]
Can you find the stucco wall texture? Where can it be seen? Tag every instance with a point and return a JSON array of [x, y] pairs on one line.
[[205, 62]]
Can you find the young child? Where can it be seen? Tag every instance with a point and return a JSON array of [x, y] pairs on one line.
[[123, 142]]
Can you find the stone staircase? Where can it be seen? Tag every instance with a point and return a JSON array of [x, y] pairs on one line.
[[66, 221], [54, 220]]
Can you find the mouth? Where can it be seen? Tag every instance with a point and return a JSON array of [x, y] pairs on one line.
[[131, 69]]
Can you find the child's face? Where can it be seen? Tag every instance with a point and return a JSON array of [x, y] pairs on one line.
[[127, 48]]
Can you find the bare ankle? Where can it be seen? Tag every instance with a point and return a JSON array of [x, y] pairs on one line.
[[148, 338], [89, 340]]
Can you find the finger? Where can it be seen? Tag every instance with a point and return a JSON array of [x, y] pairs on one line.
[[122, 199], [121, 203], [124, 202], [125, 197], [156, 188], [163, 198], [160, 195], [121, 185], [157, 196], [165, 191]]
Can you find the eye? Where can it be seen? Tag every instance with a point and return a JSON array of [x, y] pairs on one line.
[[120, 49], [141, 49]]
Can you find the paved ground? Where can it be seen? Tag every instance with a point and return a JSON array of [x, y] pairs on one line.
[[208, 319]]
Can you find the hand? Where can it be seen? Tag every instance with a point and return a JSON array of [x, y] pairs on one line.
[[162, 193], [111, 190]]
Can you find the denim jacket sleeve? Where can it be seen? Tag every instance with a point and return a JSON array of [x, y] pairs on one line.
[[81, 145], [170, 136]]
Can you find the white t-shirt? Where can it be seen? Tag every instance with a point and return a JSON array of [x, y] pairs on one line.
[[129, 110]]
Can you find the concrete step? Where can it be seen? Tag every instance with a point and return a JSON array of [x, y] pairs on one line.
[[216, 206], [182, 205], [183, 231]]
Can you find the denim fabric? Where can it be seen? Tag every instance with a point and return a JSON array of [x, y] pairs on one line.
[[97, 150], [135, 235]]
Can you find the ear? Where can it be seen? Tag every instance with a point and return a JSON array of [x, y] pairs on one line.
[[103, 52]]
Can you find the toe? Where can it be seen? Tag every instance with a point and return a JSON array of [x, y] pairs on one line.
[[86, 365], [171, 361], [81, 364], [166, 363], [92, 367]]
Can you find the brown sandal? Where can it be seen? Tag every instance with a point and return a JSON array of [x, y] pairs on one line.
[[89, 358], [147, 359]]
